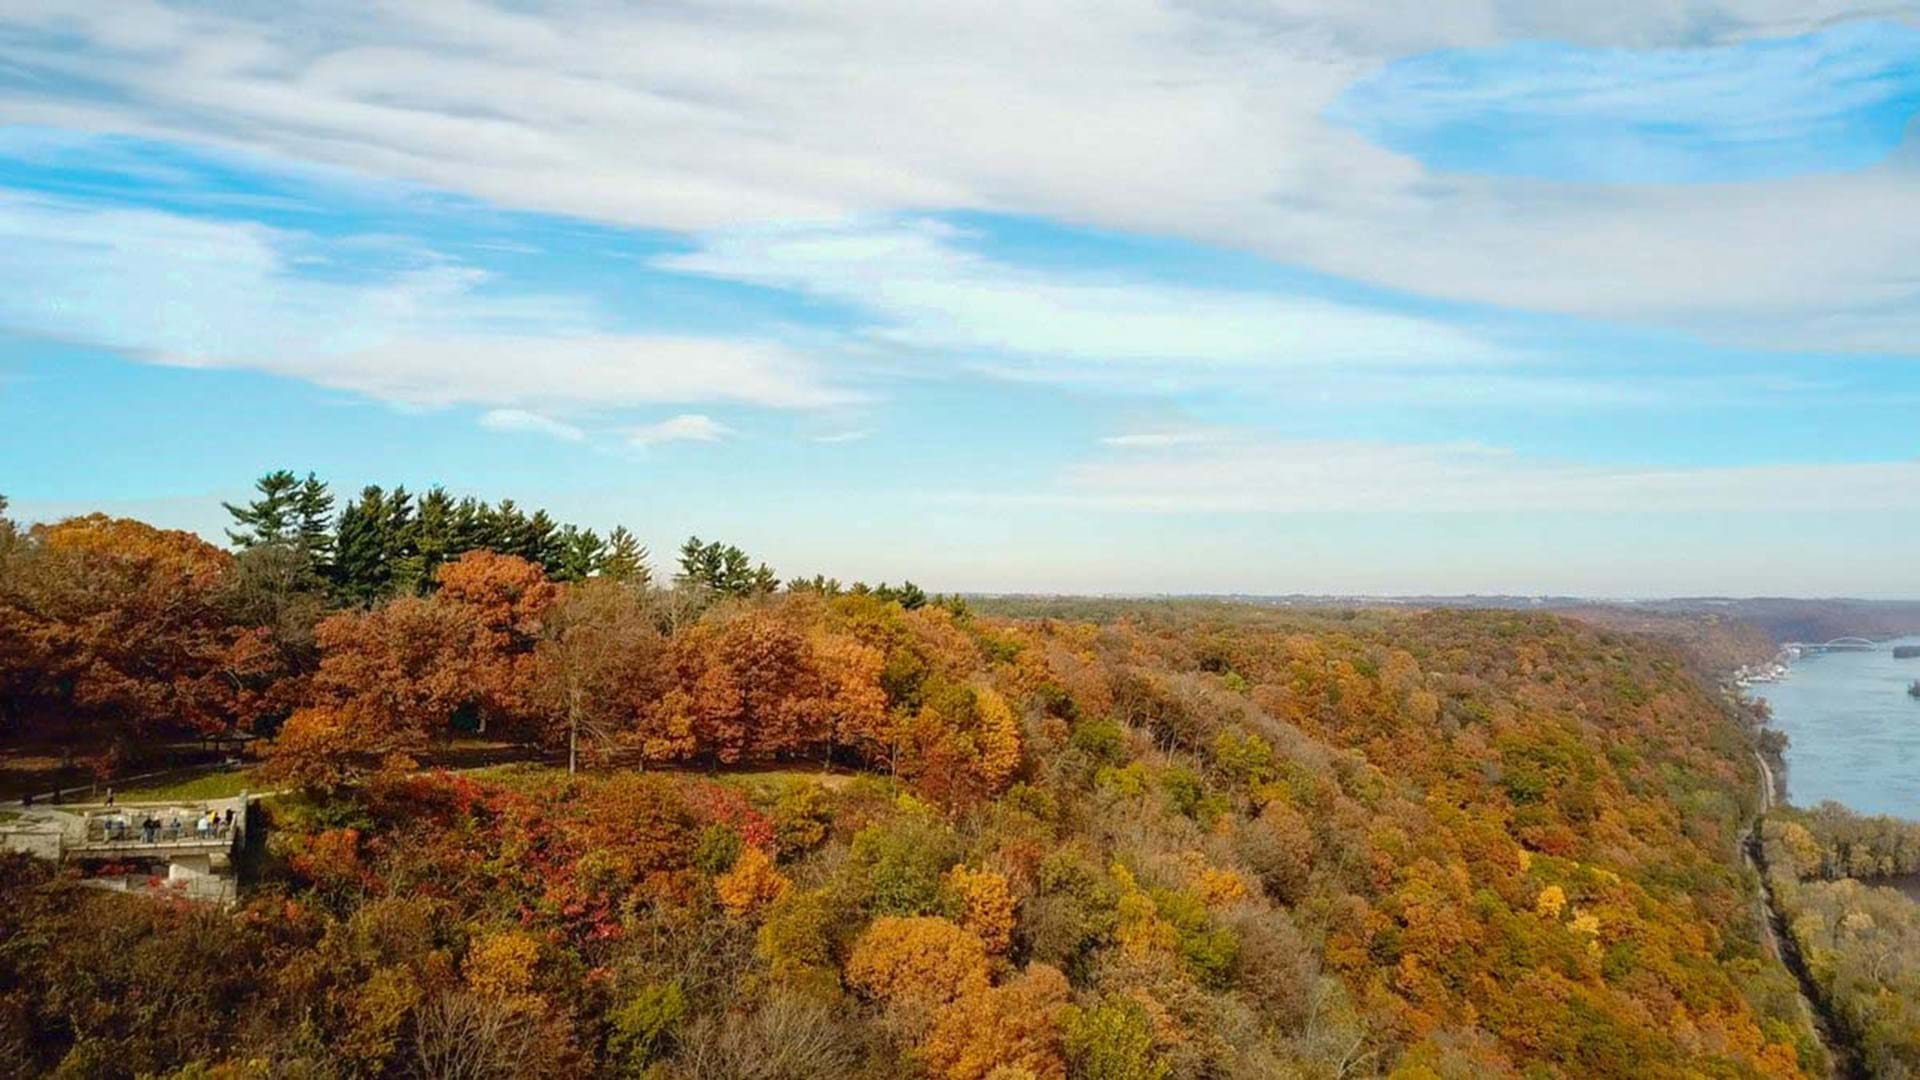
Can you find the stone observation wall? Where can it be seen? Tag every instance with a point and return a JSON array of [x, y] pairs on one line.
[[195, 840]]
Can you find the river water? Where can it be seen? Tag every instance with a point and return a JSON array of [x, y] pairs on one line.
[[1855, 731]]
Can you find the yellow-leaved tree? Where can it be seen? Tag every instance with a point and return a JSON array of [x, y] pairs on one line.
[[924, 959], [1008, 1030], [986, 906], [752, 883]]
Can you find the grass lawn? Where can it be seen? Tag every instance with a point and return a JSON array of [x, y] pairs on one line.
[[768, 783], [214, 784], [527, 776], [39, 768], [764, 783]]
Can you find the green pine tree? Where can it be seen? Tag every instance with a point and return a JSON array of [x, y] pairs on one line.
[[507, 532], [472, 520], [818, 583], [362, 573], [542, 543], [735, 577], [268, 519], [313, 525], [693, 557], [763, 581], [582, 552], [434, 524], [407, 572], [625, 560]]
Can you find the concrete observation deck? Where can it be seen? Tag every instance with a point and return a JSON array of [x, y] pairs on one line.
[[196, 840]]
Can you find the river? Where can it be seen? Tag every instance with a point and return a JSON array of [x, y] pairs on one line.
[[1855, 731]]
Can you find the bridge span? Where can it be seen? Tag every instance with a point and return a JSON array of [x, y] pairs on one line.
[[1839, 644]]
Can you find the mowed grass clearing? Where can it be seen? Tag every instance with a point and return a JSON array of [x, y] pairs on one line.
[[220, 783], [765, 783]]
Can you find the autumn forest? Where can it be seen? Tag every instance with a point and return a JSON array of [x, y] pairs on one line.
[[538, 804]]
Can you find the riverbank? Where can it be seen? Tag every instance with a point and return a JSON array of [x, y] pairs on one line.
[[1843, 1059], [1854, 1004], [1853, 731]]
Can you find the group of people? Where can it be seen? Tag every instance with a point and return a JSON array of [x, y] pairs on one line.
[[152, 828]]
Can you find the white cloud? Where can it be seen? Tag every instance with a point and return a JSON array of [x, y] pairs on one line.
[[522, 421], [1202, 119], [1268, 476], [203, 293], [1149, 440], [837, 437], [687, 427], [927, 291]]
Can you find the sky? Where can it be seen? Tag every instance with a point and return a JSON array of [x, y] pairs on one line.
[[1120, 297]]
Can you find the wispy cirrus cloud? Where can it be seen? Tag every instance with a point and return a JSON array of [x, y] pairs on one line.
[[865, 190], [1254, 474], [1154, 440], [687, 427], [417, 329], [1203, 120], [520, 421], [921, 288]]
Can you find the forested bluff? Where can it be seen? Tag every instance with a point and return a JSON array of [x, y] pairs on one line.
[[826, 830]]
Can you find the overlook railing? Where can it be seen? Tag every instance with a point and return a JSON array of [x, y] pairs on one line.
[[120, 831]]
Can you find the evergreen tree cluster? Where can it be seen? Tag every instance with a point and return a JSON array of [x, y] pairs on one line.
[[389, 542], [906, 594], [723, 569]]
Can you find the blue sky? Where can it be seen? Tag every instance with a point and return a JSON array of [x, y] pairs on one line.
[[1186, 298], [1832, 100]]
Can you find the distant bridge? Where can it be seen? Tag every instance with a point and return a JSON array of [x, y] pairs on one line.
[[1839, 644]]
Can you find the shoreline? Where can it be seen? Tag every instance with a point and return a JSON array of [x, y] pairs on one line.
[[1825, 720], [1843, 1057]]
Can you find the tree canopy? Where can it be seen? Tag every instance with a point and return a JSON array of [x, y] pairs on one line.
[[867, 832]]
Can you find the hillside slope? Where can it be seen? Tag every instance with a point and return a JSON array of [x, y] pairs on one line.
[[1188, 841]]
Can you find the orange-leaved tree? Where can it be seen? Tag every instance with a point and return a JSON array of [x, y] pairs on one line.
[[1008, 1030], [506, 601], [114, 629], [394, 677], [768, 683], [963, 743], [389, 680]]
